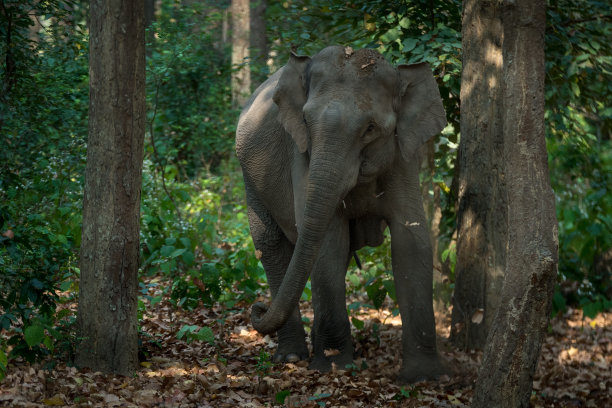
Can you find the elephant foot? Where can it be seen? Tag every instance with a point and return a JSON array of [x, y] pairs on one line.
[[289, 357], [291, 353], [423, 368], [324, 363]]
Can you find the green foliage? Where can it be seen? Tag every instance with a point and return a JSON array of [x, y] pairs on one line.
[[594, 305], [374, 277], [191, 122], [408, 394], [43, 111], [205, 252], [194, 227], [197, 333], [264, 364], [281, 396], [3, 363], [579, 118]]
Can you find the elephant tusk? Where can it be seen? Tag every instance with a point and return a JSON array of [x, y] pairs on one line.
[[380, 194], [344, 204]]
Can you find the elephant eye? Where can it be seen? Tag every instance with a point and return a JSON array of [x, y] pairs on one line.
[[368, 136]]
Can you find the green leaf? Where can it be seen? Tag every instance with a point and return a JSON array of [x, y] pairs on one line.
[[48, 342], [592, 309], [166, 250], [3, 364], [178, 252], [409, 44], [34, 335], [359, 324], [186, 242], [389, 285], [445, 254], [206, 334], [377, 294], [184, 330], [188, 258], [36, 283], [3, 360], [281, 396], [559, 304]]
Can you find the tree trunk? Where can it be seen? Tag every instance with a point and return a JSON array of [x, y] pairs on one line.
[[259, 42], [481, 214], [241, 76], [107, 310], [513, 347]]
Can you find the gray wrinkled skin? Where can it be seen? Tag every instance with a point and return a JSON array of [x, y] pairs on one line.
[[328, 147]]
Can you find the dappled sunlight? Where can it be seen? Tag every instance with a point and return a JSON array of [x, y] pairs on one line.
[[578, 354], [383, 316], [236, 368]]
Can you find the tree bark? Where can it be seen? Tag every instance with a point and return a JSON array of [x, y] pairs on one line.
[[513, 347], [241, 76], [107, 310], [481, 214]]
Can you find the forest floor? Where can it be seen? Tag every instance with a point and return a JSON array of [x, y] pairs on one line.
[[234, 369]]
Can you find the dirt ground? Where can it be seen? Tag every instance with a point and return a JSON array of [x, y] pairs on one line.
[[235, 369]]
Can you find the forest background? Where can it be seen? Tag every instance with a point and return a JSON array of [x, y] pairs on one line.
[[195, 244]]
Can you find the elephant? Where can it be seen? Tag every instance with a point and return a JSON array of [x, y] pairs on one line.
[[328, 147]]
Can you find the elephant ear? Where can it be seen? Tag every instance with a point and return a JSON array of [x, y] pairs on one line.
[[420, 112], [290, 97]]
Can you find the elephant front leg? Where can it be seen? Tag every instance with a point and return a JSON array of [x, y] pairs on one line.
[[412, 263], [276, 251], [331, 332]]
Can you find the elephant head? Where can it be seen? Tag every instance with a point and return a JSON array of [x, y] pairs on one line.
[[350, 113]]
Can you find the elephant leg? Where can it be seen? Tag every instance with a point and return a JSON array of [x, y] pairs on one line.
[[331, 333], [412, 263], [276, 251]]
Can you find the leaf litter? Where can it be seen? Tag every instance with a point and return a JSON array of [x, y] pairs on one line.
[[235, 368]]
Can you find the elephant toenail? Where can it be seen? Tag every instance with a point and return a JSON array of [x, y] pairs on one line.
[[292, 358]]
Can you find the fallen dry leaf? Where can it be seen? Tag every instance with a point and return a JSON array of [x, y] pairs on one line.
[[478, 316], [574, 367], [331, 352]]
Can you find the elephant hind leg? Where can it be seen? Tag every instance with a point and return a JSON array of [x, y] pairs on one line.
[[275, 254]]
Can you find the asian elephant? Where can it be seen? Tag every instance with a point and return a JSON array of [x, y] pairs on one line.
[[328, 148]]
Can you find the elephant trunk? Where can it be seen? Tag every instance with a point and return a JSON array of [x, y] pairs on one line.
[[322, 199]]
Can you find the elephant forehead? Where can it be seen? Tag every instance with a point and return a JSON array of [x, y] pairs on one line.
[[372, 103], [338, 102], [362, 68], [351, 110]]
